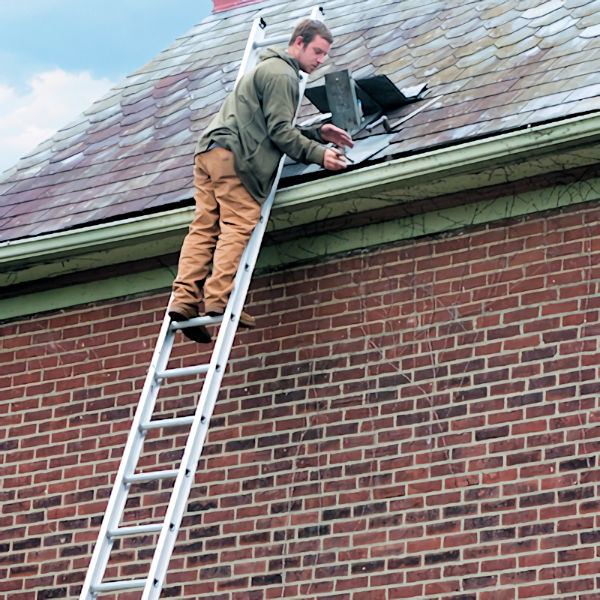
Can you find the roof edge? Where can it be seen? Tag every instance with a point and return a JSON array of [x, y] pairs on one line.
[[41, 254]]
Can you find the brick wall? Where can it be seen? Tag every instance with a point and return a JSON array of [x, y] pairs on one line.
[[417, 421]]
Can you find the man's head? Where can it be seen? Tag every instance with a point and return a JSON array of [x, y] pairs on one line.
[[309, 44]]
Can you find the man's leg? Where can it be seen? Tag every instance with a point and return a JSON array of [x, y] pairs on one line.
[[198, 245], [196, 254], [239, 214]]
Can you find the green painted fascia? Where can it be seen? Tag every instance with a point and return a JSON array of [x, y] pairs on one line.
[[434, 222], [84, 293], [103, 237], [318, 247]]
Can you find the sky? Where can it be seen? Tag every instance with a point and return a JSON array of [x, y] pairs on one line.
[[58, 56]]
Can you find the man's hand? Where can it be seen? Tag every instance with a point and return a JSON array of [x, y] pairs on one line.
[[335, 135], [333, 160]]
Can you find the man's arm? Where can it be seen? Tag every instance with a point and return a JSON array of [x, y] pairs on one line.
[[280, 97]]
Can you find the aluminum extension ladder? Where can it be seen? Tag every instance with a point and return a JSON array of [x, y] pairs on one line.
[[183, 476]]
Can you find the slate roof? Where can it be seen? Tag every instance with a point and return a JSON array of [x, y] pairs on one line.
[[493, 65]]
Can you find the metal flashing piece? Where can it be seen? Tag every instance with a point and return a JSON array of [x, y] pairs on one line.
[[362, 150], [346, 109]]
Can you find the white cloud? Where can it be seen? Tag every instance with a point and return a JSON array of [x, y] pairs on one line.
[[52, 99]]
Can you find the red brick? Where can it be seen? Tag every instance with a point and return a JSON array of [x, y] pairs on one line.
[[501, 594], [406, 591], [535, 591]]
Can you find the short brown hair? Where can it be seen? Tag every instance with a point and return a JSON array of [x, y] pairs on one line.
[[308, 29]]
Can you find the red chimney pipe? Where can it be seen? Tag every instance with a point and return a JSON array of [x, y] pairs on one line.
[[221, 5]]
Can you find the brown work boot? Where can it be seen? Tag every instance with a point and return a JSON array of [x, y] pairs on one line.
[[246, 320], [197, 333]]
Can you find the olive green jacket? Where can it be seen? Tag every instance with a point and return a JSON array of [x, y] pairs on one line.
[[255, 123]]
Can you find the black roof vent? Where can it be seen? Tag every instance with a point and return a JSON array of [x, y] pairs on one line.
[[353, 104]]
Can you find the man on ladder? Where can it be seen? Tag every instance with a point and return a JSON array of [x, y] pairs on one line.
[[250, 134], [235, 164]]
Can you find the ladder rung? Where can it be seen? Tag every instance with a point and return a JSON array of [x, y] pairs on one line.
[[151, 476], [159, 423], [114, 586], [182, 372], [271, 41], [195, 322], [134, 530]]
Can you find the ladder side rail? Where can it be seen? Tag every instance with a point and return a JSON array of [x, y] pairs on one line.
[[131, 453], [249, 58], [212, 384]]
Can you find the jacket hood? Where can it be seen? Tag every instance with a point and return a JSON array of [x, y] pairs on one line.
[[272, 52]]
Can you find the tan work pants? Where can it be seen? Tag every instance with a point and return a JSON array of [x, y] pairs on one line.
[[225, 216]]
